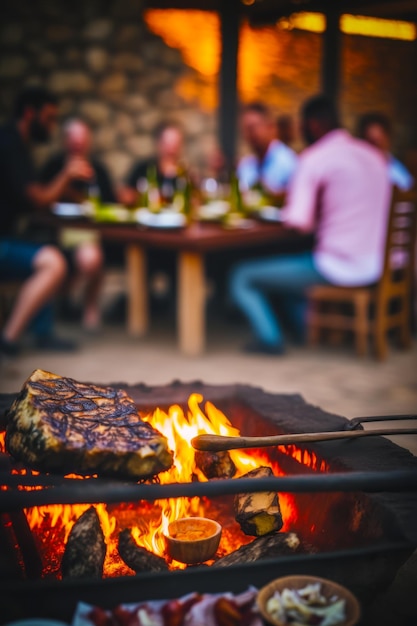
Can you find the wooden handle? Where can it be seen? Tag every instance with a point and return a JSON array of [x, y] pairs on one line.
[[216, 443]]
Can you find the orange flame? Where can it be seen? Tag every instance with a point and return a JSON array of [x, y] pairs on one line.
[[180, 428]]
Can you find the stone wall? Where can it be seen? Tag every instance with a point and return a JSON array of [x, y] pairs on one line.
[[381, 74], [107, 67]]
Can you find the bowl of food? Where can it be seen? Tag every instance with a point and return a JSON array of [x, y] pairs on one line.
[[193, 539], [307, 600]]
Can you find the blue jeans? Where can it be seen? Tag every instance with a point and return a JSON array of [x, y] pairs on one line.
[[16, 262], [287, 276]]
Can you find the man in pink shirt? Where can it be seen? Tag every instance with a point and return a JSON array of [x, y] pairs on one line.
[[341, 192]]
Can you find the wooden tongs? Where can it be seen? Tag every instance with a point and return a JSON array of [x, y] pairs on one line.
[[217, 443]]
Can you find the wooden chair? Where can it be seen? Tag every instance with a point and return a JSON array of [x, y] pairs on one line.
[[377, 309]]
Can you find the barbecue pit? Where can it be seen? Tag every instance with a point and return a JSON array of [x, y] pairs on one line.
[[352, 503]]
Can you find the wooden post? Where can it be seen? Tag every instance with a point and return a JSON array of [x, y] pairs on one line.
[[228, 110], [137, 285], [191, 302], [331, 55]]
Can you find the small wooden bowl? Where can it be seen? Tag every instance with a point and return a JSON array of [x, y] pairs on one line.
[[328, 589], [193, 539]]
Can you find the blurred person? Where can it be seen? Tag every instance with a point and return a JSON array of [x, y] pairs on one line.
[[166, 165], [43, 266], [159, 178], [215, 183], [271, 163], [341, 192], [83, 250], [77, 143], [375, 128], [286, 129]]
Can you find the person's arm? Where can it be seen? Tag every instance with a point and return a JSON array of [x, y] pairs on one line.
[[399, 174], [300, 210], [128, 193], [42, 195]]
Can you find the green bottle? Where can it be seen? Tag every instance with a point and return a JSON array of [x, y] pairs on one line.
[[93, 196], [154, 197], [187, 206], [235, 195]]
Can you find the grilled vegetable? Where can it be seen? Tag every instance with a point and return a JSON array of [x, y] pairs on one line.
[[258, 513], [59, 424], [137, 558], [86, 549], [215, 464]]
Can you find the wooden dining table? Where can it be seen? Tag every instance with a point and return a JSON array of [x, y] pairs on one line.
[[191, 245]]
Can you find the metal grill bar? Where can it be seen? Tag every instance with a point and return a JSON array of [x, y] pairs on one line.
[[91, 492]]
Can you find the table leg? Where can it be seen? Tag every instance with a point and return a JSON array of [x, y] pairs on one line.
[[191, 303], [137, 315]]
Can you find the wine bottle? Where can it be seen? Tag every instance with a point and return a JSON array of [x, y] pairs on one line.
[[154, 196], [235, 195], [93, 196]]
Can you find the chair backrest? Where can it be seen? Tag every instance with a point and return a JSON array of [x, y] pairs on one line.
[[399, 256]]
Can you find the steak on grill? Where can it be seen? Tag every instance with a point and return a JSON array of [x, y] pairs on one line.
[[57, 424]]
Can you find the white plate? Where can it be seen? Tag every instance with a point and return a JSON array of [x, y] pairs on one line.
[[68, 209], [165, 219], [213, 210], [271, 214]]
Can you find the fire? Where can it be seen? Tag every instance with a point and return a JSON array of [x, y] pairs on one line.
[[148, 522], [179, 428]]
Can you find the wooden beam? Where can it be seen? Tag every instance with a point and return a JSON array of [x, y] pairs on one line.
[[331, 55], [228, 98]]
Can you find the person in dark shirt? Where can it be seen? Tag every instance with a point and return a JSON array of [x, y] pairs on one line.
[[166, 165], [41, 267], [160, 178], [77, 142], [85, 254]]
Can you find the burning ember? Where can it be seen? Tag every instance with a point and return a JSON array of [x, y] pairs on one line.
[[51, 525]]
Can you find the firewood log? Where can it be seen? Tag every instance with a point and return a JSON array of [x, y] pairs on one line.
[[86, 548], [262, 548], [137, 558], [258, 513], [215, 464]]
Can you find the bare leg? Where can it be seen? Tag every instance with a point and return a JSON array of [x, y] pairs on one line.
[[89, 265], [49, 270]]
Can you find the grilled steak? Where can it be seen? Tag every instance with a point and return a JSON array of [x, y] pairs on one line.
[[59, 424]]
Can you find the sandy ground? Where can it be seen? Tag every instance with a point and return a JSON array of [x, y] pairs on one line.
[[333, 378]]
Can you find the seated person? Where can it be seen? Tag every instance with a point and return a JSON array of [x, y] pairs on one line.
[[341, 191], [286, 129], [43, 267], [375, 128], [83, 250], [42, 270], [166, 166], [271, 163]]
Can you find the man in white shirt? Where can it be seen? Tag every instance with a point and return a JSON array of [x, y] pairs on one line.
[[271, 163], [341, 192]]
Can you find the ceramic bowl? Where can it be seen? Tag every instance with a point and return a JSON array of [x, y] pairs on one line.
[[328, 589], [193, 539]]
